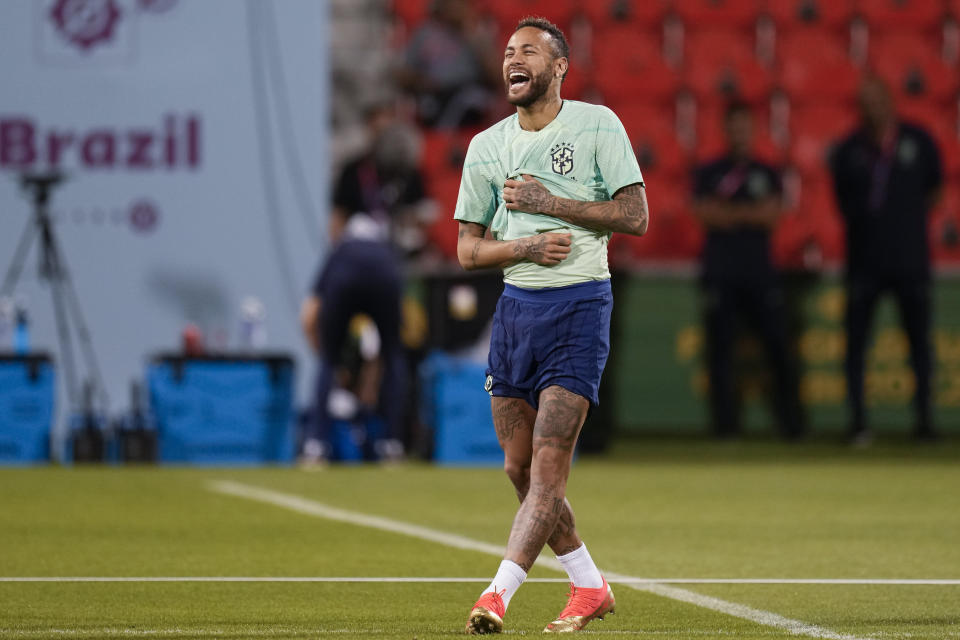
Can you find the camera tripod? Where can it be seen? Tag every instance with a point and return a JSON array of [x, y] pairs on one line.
[[68, 315]]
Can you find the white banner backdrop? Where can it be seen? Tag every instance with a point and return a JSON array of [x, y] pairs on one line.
[[194, 138]]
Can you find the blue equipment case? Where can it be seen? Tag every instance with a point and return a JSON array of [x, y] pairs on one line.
[[223, 410], [458, 409], [26, 408]]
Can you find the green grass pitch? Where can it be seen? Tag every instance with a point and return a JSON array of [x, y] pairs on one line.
[[667, 509]]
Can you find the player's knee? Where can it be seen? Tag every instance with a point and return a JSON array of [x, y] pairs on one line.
[[552, 463], [517, 471]]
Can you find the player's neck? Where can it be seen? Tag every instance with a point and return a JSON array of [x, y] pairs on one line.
[[539, 114]]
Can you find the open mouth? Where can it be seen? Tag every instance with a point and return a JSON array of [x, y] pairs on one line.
[[518, 79]]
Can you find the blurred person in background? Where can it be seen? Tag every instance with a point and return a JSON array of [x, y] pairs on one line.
[[450, 66], [385, 182], [540, 195], [738, 198], [362, 275], [887, 178], [378, 212]]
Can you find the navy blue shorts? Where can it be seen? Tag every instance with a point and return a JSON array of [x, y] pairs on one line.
[[555, 336]]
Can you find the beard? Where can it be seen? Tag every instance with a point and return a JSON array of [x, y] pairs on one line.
[[538, 87]]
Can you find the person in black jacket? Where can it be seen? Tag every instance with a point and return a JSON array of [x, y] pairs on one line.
[[738, 199], [887, 177]]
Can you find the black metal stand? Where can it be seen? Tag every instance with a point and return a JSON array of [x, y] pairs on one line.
[[68, 315]]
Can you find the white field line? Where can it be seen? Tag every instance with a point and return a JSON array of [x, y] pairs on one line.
[[320, 510], [462, 580]]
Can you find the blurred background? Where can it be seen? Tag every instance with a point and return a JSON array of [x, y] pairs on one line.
[[183, 171]]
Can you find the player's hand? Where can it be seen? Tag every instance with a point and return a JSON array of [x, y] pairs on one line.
[[545, 249], [527, 195]]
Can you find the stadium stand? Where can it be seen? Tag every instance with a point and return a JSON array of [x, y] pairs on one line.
[[910, 63], [627, 64], [668, 67], [605, 13], [814, 66], [902, 14], [713, 13], [831, 15], [720, 64]]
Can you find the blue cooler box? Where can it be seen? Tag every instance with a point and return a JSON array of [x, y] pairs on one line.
[[458, 409], [26, 408], [223, 410]]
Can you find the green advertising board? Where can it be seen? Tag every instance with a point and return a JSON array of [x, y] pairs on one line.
[[660, 382]]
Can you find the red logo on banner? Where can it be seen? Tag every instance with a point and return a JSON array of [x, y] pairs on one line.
[[85, 22]]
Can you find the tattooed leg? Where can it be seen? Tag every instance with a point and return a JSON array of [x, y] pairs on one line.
[[554, 435], [514, 420]]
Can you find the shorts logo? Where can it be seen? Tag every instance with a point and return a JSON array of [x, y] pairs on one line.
[[488, 385], [561, 156]]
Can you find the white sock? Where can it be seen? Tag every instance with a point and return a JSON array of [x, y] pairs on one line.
[[508, 579], [581, 569]]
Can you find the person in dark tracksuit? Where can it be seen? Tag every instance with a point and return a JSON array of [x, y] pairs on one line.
[[738, 200], [887, 178], [362, 275]]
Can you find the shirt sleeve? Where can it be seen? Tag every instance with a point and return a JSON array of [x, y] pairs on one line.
[[615, 156], [477, 200]]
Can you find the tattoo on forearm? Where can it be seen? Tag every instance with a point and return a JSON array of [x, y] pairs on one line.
[[626, 213], [476, 251], [530, 248]]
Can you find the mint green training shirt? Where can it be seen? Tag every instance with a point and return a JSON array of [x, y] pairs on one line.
[[583, 154]]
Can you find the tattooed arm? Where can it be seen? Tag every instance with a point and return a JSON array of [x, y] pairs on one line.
[[626, 213], [477, 252]]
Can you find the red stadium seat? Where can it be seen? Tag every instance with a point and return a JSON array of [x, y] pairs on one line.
[[673, 233], [790, 14], [627, 65], [509, 12], [912, 66], [824, 224], [651, 130], [814, 66], [720, 63], [645, 14], [941, 123], [443, 186], [443, 151], [713, 13], [814, 131], [412, 12], [902, 14]]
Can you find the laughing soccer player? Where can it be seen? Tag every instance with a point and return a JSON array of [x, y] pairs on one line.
[[550, 183]]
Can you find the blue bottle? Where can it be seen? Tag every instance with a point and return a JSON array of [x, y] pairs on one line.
[[21, 333]]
